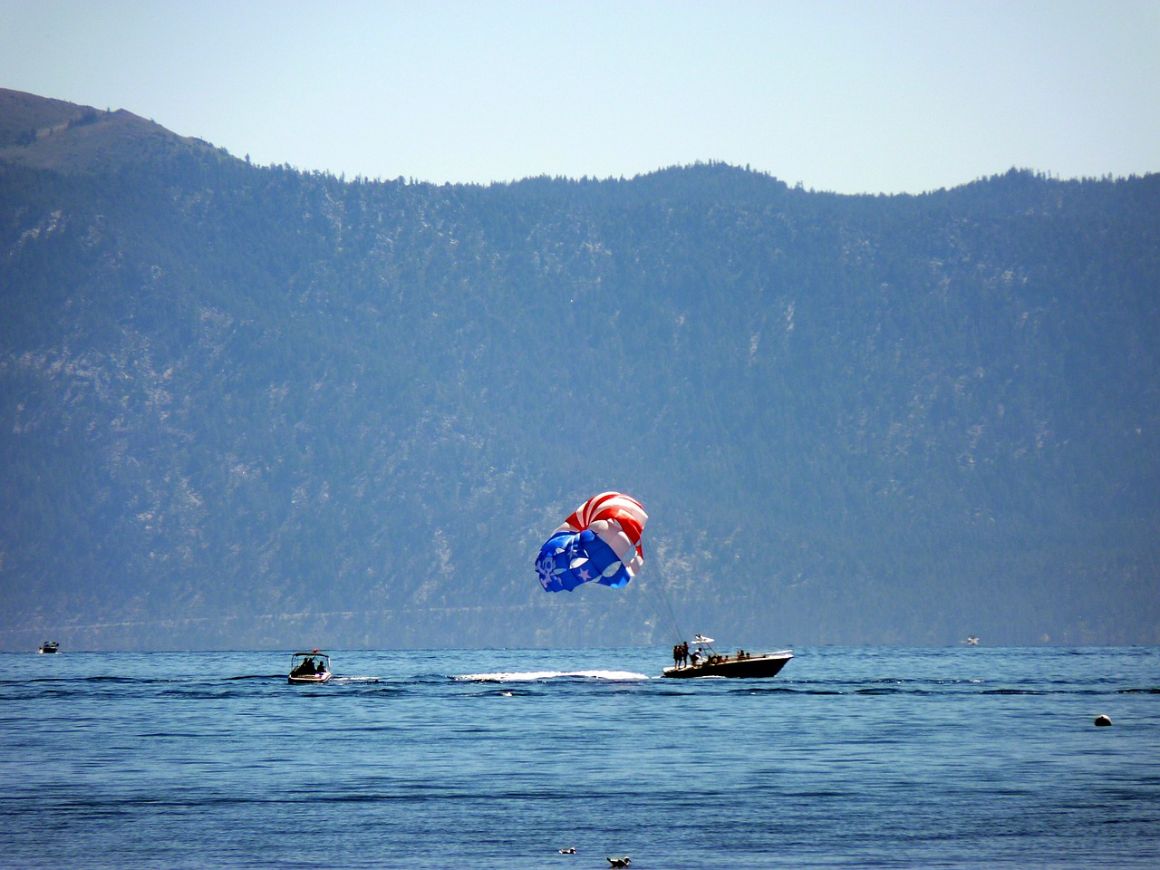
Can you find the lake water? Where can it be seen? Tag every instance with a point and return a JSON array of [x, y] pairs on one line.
[[495, 759]]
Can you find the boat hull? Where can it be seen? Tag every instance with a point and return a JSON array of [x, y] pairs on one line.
[[309, 678], [754, 667]]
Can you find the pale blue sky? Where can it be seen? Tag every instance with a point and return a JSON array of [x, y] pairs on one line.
[[874, 96]]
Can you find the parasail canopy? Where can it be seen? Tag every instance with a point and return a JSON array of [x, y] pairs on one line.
[[599, 542]]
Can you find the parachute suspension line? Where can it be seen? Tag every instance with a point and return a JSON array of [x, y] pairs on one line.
[[680, 635]]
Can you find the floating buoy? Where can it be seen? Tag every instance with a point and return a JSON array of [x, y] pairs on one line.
[[1103, 720]]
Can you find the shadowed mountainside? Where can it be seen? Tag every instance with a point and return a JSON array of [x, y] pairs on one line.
[[250, 406]]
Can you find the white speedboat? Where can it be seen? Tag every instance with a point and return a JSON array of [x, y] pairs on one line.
[[309, 667]]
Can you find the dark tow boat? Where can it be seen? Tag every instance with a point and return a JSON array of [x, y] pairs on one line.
[[744, 665]]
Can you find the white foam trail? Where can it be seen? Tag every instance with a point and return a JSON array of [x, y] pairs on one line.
[[534, 676]]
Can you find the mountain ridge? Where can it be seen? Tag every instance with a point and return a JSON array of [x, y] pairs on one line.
[[65, 137], [249, 405]]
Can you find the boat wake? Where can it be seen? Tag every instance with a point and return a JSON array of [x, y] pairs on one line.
[[538, 676]]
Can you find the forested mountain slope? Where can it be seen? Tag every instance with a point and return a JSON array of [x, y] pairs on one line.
[[249, 406]]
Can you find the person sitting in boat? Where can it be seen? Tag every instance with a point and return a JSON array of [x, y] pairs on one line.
[[695, 658], [320, 666], [305, 669]]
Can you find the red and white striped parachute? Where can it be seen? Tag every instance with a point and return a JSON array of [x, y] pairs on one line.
[[600, 541]]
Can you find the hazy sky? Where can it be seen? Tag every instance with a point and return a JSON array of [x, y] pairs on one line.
[[878, 96]]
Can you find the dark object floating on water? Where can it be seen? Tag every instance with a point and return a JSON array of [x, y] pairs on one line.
[[619, 862], [743, 665], [49, 646], [571, 850], [309, 667], [1103, 720]]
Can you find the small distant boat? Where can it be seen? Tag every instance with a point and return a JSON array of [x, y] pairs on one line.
[[309, 667], [49, 646], [973, 640], [744, 665]]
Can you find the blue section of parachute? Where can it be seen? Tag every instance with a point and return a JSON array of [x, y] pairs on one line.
[[570, 559]]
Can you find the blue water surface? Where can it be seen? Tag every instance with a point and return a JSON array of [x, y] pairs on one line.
[[888, 757]]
